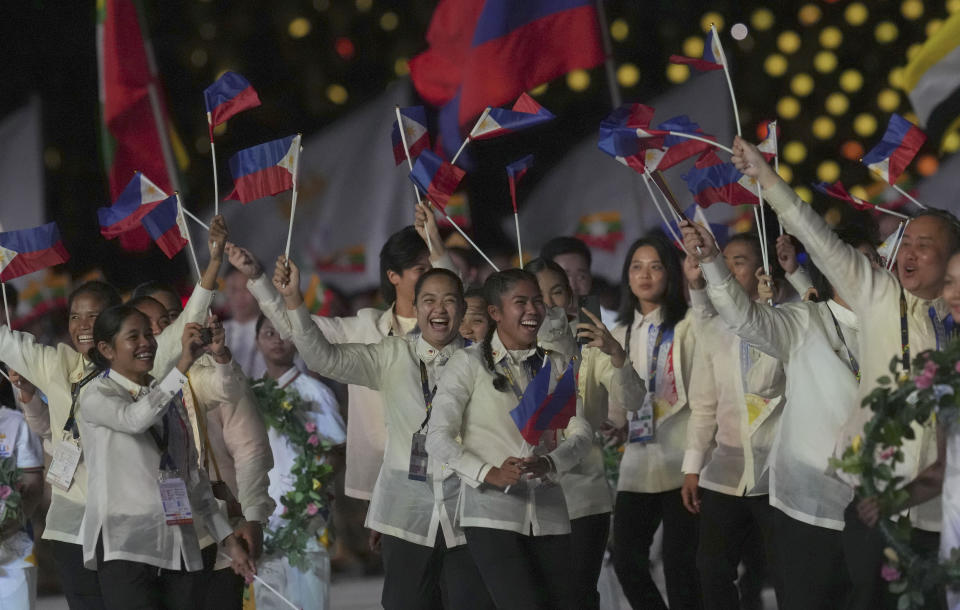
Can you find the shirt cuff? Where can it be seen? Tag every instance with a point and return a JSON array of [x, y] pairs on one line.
[[218, 526], [259, 514], [800, 280], [715, 272], [699, 299], [692, 461], [472, 466], [174, 381], [483, 472]]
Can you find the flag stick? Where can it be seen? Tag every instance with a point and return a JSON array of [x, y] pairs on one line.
[[406, 151], [776, 168], [690, 136], [213, 159], [516, 221], [469, 241], [193, 252], [763, 248], [612, 86], [293, 198], [6, 306], [901, 229], [482, 118], [190, 215], [726, 71], [656, 204], [889, 211], [264, 583], [671, 201], [907, 195]]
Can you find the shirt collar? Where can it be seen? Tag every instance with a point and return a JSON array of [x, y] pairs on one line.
[[133, 387], [428, 353], [83, 368], [287, 377], [916, 305], [843, 315], [389, 322], [655, 317], [500, 352]]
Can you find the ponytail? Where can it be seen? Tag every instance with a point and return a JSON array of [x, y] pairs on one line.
[[500, 383]]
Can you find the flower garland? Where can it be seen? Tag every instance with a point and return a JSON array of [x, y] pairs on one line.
[[11, 512], [899, 402], [306, 506]]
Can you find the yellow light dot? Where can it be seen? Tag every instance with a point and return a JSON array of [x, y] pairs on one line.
[[539, 90], [401, 67], [808, 15], [389, 21], [911, 116], [953, 6], [785, 172], [198, 58], [677, 73], [856, 13], [788, 107], [912, 50], [864, 124], [711, 18], [885, 32], [202, 144], [775, 65], [52, 158], [578, 80], [828, 171], [628, 75], [802, 84], [788, 42], [794, 151], [804, 193], [859, 192], [299, 27], [836, 103], [912, 9], [823, 128], [825, 62], [762, 19], [220, 129], [337, 94], [851, 80], [693, 46], [831, 37], [619, 30], [951, 142], [895, 78], [364, 5], [888, 100], [932, 26]]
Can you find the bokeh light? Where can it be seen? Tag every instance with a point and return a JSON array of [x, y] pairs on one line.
[[539, 90], [953, 6], [888, 100], [951, 142], [911, 9], [711, 18], [788, 42], [912, 50], [788, 107], [823, 128], [298, 27], [802, 84], [831, 37], [828, 170], [786, 172], [885, 32], [895, 78], [825, 62], [677, 73], [836, 103], [628, 75], [344, 47], [401, 67], [364, 5], [619, 30], [852, 150], [864, 124], [804, 193], [932, 26], [775, 64], [389, 21], [693, 46], [833, 216], [856, 13], [794, 151], [762, 19], [859, 192], [578, 80], [808, 15], [927, 165], [851, 80], [337, 94]]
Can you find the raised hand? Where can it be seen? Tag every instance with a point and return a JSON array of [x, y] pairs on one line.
[[217, 239], [242, 259], [192, 347], [599, 336], [426, 224], [698, 241], [764, 285], [286, 279], [748, 160], [787, 253]]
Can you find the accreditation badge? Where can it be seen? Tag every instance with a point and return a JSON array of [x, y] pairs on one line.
[[174, 497], [641, 423], [66, 459], [418, 457]]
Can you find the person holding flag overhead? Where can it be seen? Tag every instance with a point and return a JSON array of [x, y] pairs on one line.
[[515, 411], [414, 498], [900, 315], [58, 372]]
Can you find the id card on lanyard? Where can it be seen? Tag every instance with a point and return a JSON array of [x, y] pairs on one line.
[[419, 460], [67, 451], [642, 422], [170, 483]]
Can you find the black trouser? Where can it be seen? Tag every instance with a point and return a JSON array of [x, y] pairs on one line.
[[222, 589], [725, 524], [79, 585], [524, 572], [811, 565], [635, 520], [129, 585], [588, 543], [863, 549], [418, 577]]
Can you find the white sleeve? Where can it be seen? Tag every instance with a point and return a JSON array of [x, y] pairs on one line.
[[271, 304], [355, 363], [135, 417], [170, 341], [29, 448], [702, 396]]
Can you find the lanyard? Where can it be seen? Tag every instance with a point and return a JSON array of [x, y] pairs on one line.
[[854, 365], [428, 394], [505, 370], [71, 423], [163, 442], [938, 328], [653, 357]]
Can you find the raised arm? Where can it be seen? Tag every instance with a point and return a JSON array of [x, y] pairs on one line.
[[41, 365]]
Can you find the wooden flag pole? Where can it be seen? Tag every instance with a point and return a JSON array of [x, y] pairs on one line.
[[726, 71], [406, 151], [482, 118], [213, 158], [189, 236], [293, 199]]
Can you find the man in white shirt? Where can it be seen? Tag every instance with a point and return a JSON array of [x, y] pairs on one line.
[[900, 316], [240, 328], [735, 394], [18, 568]]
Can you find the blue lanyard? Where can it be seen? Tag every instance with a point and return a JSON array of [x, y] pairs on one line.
[[654, 343]]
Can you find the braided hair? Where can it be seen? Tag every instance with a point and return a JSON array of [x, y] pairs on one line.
[[493, 289]]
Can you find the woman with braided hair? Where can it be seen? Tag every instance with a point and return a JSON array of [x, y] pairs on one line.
[[511, 508]]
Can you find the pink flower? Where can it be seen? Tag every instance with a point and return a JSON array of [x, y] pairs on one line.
[[312, 509], [923, 380], [5, 491], [310, 427], [284, 511], [956, 367], [889, 573], [888, 453], [313, 440]]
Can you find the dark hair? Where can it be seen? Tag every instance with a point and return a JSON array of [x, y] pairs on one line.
[[493, 289], [435, 272], [674, 306], [402, 251], [260, 320], [853, 234], [749, 238], [952, 225], [474, 293], [97, 289], [148, 289], [145, 300], [541, 264], [106, 328], [566, 245]]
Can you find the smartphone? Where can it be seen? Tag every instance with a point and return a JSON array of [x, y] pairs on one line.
[[206, 336], [589, 303]]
